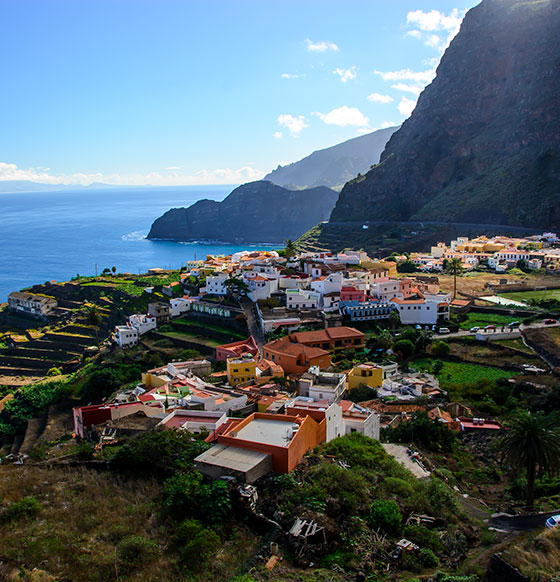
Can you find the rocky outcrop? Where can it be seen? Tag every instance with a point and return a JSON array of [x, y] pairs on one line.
[[255, 212], [334, 166], [483, 144]]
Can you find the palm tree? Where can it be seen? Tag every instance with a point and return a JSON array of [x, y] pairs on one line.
[[93, 317], [289, 249], [532, 443], [236, 286], [454, 267]]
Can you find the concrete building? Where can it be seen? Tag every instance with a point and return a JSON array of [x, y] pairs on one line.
[[161, 311], [326, 386], [371, 375], [126, 336], [237, 349], [241, 369], [215, 284], [36, 306], [302, 299], [194, 421], [142, 322], [368, 310], [295, 358]]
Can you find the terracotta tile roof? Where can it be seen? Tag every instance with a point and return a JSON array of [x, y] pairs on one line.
[[294, 349]]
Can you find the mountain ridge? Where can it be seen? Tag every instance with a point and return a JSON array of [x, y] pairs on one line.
[[335, 165], [484, 138]]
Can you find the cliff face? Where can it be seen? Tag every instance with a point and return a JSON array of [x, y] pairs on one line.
[[336, 165], [483, 144], [254, 212]]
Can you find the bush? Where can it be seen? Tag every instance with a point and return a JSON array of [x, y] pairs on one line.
[[423, 430], [424, 537], [404, 348], [385, 514], [440, 348], [24, 508], [428, 558], [135, 550], [198, 543], [54, 372]]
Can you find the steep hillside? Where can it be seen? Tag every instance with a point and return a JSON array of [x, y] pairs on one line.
[[483, 144], [255, 212], [333, 166]]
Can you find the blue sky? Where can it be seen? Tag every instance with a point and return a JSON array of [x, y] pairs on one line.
[[205, 91]]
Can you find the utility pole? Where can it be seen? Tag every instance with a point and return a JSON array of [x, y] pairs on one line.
[[96, 269]]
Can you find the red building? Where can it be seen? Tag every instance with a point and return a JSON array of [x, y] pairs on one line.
[[237, 349]]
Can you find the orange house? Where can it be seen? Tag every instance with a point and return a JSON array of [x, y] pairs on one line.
[[295, 358], [285, 438], [331, 338]]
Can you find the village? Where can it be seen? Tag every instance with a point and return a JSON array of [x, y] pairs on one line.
[[260, 364]]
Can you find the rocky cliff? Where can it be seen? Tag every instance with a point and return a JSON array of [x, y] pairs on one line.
[[334, 166], [483, 144], [255, 212]]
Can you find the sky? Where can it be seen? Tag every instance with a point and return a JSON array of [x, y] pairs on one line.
[[170, 92]]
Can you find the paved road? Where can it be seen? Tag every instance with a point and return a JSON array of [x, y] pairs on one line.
[[398, 452], [506, 522], [252, 323], [467, 333]]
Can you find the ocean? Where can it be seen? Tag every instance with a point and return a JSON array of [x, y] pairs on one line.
[[56, 235]]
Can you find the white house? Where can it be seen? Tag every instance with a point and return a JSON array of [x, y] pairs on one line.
[[299, 281], [142, 323], [356, 418], [319, 385], [260, 287], [302, 299], [126, 336], [328, 283], [179, 306], [215, 284], [427, 311]]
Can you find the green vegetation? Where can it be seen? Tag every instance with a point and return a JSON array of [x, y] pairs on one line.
[[424, 431], [533, 295], [474, 319], [462, 372]]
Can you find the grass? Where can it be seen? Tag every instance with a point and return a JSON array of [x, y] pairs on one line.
[[526, 295], [483, 319], [516, 344], [218, 328], [191, 337], [462, 372]]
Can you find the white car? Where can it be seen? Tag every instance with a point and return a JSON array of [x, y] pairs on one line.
[[553, 521], [474, 329]]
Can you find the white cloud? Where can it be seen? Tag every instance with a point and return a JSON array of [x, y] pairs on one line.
[[173, 168], [379, 98], [278, 135], [320, 46], [343, 116], [427, 24], [414, 34], [292, 75], [384, 125], [406, 106], [407, 88], [435, 20], [407, 75], [346, 74], [168, 178], [293, 124]]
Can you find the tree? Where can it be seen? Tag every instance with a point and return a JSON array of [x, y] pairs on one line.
[[289, 249], [114, 270], [93, 317], [454, 267], [532, 442], [236, 286], [441, 348], [404, 348], [385, 339], [394, 319]]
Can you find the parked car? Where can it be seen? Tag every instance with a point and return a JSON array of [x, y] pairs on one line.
[[444, 330], [553, 521], [549, 321], [474, 329], [490, 328], [514, 324]]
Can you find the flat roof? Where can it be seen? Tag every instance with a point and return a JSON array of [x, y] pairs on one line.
[[233, 458], [267, 431]]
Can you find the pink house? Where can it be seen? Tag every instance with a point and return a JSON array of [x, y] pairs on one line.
[[352, 294]]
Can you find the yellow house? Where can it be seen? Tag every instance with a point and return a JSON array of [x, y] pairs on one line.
[[242, 369], [368, 374]]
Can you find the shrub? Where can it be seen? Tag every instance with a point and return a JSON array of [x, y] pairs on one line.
[[403, 347], [424, 537], [54, 372], [135, 550], [440, 348], [385, 514], [428, 558], [25, 507]]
